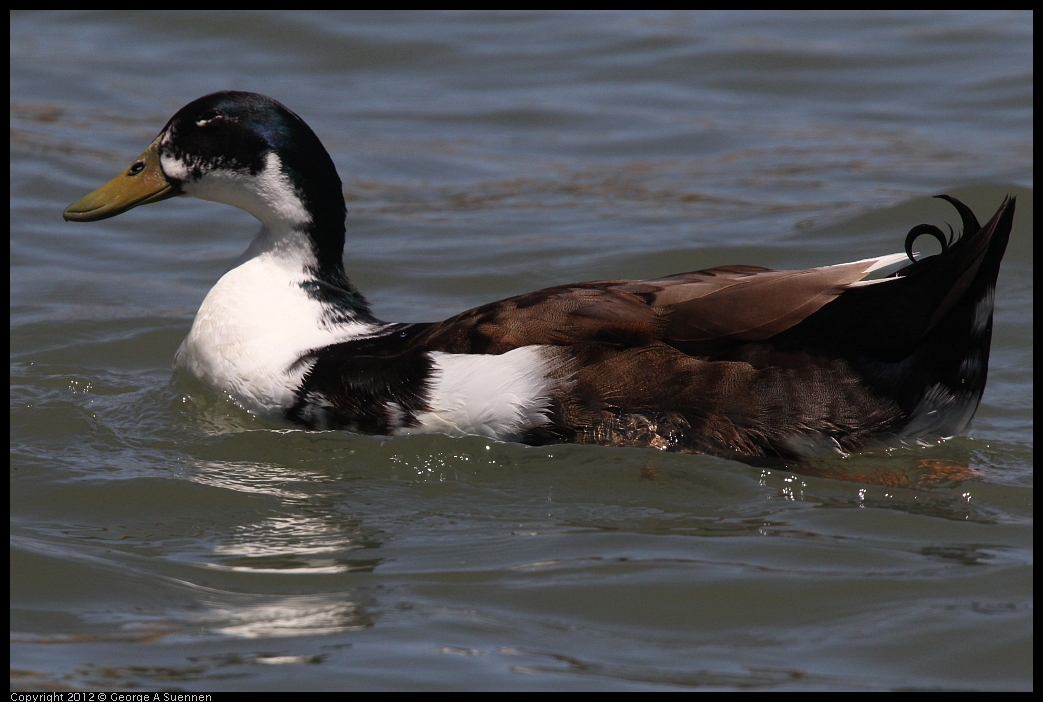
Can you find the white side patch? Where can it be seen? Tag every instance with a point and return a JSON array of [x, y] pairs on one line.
[[941, 412], [495, 396], [983, 310]]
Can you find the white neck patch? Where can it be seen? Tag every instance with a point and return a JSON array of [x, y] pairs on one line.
[[269, 196]]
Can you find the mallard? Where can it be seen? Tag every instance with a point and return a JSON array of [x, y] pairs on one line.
[[737, 361]]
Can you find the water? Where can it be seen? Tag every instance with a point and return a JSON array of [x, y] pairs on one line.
[[160, 538]]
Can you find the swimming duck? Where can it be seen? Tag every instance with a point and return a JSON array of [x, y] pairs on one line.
[[737, 361]]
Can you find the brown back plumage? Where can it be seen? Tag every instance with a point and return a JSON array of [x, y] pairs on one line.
[[744, 361], [699, 311]]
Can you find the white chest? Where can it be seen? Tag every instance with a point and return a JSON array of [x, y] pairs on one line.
[[251, 329]]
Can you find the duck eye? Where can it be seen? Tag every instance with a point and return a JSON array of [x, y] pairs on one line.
[[136, 168]]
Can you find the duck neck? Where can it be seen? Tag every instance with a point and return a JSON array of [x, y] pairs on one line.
[[302, 227], [327, 281]]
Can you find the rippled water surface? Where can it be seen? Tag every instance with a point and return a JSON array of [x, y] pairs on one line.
[[162, 538]]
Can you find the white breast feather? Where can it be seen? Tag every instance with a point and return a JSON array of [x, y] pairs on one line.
[[252, 326]]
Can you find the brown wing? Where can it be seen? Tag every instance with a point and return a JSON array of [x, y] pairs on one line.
[[697, 312]]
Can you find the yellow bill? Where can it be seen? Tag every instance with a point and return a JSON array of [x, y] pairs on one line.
[[143, 182]]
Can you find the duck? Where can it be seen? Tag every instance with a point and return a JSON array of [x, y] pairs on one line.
[[736, 361]]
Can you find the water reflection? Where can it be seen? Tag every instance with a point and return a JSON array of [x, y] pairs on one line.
[[290, 616], [309, 535]]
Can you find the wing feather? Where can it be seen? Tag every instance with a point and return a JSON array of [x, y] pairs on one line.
[[697, 311]]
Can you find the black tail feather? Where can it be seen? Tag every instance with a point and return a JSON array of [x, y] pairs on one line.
[[927, 328], [970, 222]]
